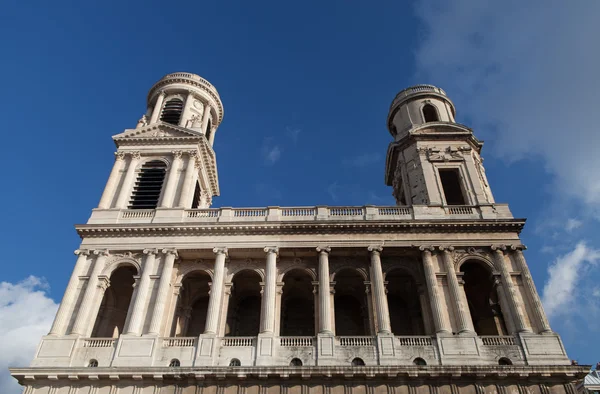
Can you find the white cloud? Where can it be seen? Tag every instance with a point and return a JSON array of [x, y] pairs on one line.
[[271, 152], [561, 290], [293, 133], [26, 314], [333, 190], [524, 74], [363, 160], [572, 224]]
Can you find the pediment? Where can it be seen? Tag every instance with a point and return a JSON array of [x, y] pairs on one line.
[[157, 131]]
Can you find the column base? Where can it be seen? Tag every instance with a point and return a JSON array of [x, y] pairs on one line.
[[206, 352], [325, 349], [265, 349], [386, 349]]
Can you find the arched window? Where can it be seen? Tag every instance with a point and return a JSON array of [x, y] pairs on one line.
[[93, 363], [358, 362], [175, 363], [504, 361], [430, 113], [243, 316], [208, 130], [148, 185], [482, 297], [196, 198], [172, 110], [419, 361], [350, 304], [235, 363], [115, 304], [297, 305], [296, 362], [404, 304], [192, 305]]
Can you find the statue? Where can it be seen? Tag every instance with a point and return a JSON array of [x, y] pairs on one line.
[[142, 122]]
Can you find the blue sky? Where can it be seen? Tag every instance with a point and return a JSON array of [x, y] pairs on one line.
[[306, 88]]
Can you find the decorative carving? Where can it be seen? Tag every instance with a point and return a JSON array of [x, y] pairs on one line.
[[142, 122], [272, 249], [103, 282], [177, 154], [426, 248], [135, 155], [84, 252], [480, 169], [119, 156], [159, 133], [150, 251], [449, 154], [498, 248], [172, 251], [221, 250], [323, 249], [196, 121], [101, 252], [375, 249]]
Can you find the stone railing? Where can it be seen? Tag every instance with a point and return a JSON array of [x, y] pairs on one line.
[[414, 341], [300, 214], [498, 341], [238, 341], [98, 342], [357, 341], [416, 89], [296, 341], [179, 342]]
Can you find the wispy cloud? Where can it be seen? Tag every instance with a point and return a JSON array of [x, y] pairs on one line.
[[293, 133], [271, 152], [363, 160], [333, 189], [573, 224]]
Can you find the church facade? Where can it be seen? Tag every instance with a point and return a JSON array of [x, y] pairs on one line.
[[168, 295]]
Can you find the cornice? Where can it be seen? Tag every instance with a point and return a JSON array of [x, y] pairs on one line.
[[245, 228]]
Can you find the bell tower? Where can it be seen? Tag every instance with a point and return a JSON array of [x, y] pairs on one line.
[[168, 160], [433, 161]]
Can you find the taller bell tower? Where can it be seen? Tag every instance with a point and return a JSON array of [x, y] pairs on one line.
[[168, 160], [433, 161]]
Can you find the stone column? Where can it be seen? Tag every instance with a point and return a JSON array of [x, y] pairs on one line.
[[434, 291], [113, 180], [267, 318], [158, 107], [127, 185], [83, 320], [172, 181], [511, 292], [211, 140], [186, 109], [206, 115], [188, 181], [381, 303], [532, 294], [216, 292], [143, 289], [163, 290], [457, 295], [324, 292], [66, 306]]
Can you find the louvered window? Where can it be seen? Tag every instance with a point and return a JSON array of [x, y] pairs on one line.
[[172, 110], [148, 185]]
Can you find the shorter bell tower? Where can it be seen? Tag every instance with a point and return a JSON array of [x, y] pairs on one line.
[[168, 160], [433, 161]]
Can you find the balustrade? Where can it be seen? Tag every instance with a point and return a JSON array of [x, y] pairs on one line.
[[297, 212], [346, 211], [393, 211], [179, 342], [460, 210], [296, 341], [249, 212], [238, 341], [203, 213], [137, 213], [356, 341], [414, 341], [498, 340], [98, 342]]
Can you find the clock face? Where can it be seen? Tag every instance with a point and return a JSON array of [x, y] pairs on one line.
[[197, 104]]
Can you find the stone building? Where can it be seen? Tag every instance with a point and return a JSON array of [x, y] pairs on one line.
[[168, 295]]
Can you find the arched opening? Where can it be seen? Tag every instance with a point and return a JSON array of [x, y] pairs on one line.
[[208, 129], [404, 304], [419, 361], [148, 185], [482, 297], [504, 361], [93, 363], [115, 303], [430, 114], [297, 305], [243, 316], [175, 363], [235, 363], [196, 198], [351, 311], [358, 362], [172, 110], [193, 304], [296, 362]]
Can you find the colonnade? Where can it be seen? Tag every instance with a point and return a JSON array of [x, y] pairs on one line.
[[463, 323]]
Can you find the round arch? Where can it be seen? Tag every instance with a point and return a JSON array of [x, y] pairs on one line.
[[112, 266], [361, 271], [472, 257], [146, 160], [302, 267]]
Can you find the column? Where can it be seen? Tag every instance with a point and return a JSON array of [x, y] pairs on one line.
[[186, 109], [216, 292], [211, 139], [172, 180], [163, 290], [141, 299], [113, 179], [381, 303], [82, 321], [206, 115], [158, 107], [127, 185], [532, 294], [188, 181], [66, 306], [267, 318], [434, 291], [457, 294], [509, 287], [324, 292]]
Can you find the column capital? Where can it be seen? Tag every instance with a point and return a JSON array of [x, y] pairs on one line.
[[172, 251], [162, 93], [192, 153], [446, 248], [82, 252], [426, 248], [177, 154], [150, 251], [221, 250], [272, 249], [519, 247], [323, 249], [135, 155], [103, 282], [119, 155], [375, 249], [101, 252], [498, 248]]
